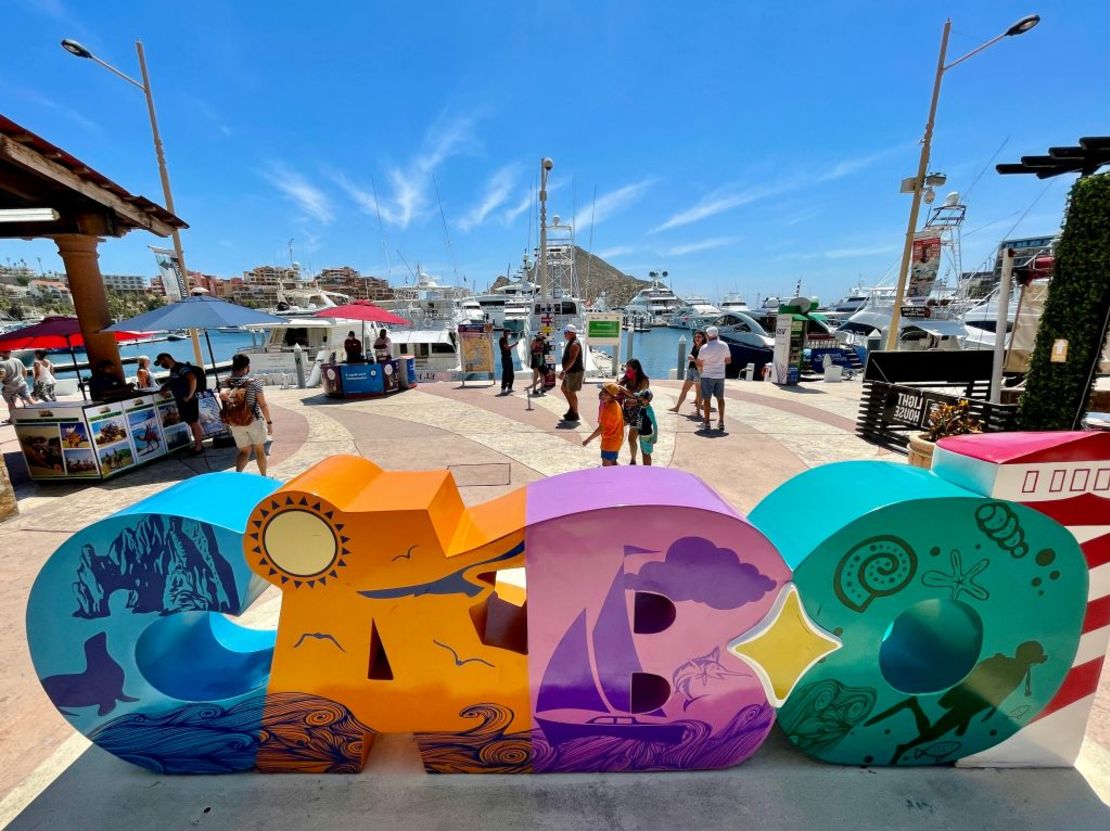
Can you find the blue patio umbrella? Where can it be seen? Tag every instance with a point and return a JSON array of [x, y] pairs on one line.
[[197, 312]]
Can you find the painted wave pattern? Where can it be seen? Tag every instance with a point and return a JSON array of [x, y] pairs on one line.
[[487, 748], [284, 731]]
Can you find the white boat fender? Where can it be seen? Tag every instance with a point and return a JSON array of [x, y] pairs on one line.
[[314, 375]]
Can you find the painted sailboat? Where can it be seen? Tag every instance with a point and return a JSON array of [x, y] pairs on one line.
[[617, 689]]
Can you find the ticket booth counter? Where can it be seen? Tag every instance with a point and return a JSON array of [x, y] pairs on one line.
[[364, 380]]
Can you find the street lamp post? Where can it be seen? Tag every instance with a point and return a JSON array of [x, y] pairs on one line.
[[545, 168], [76, 49], [1019, 28]]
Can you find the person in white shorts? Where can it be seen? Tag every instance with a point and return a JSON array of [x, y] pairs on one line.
[[712, 359], [250, 437]]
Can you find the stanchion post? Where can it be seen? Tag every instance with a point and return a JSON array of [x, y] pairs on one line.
[[680, 368]]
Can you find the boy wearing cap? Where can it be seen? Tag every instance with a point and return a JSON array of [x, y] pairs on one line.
[[610, 425]]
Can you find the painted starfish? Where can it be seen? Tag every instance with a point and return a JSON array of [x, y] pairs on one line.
[[959, 580]]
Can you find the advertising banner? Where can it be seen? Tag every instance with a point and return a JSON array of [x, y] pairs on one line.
[[476, 347], [173, 279], [925, 263]]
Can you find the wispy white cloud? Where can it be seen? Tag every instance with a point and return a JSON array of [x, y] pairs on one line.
[[615, 251], [719, 201], [497, 191], [520, 207], [38, 99], [864, 251], [297, 189], [700, 245], [610, 203], [410, 184], [728, 198]]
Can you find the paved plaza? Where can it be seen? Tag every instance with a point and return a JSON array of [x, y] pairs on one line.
[[49, 775]]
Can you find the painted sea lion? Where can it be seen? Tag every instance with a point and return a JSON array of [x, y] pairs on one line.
[[101, 683]]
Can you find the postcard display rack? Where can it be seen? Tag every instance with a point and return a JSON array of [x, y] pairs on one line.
[[95, 441]]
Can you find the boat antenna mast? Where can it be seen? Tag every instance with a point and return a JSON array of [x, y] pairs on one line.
[[446, 236], [590, 257]]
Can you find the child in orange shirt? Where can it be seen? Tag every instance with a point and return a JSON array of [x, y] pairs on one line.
[[610, 425]]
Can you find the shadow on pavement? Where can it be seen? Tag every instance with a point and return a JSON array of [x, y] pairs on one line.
[[778, 788]]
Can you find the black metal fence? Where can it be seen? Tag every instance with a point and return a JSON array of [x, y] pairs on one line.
[[900, 389]]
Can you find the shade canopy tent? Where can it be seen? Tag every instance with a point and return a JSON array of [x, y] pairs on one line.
[[58, 332], [365, 311], [197, 312]]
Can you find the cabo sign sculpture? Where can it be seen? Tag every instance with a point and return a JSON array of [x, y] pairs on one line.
[[610, 619]]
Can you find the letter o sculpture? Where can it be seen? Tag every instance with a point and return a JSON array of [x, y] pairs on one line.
[[953, 639]]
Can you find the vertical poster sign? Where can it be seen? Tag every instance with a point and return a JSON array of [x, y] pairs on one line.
[[476, 346], [169, 268], [925, 263]]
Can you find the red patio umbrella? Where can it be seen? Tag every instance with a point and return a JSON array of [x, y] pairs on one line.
[[57, 332], [365, 311]]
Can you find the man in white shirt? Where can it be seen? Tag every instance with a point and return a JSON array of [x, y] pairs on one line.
[[711, 361]]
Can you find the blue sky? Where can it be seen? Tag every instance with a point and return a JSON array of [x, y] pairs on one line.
[[738, 145]]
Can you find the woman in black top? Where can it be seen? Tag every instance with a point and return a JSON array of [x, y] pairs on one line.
[[693, 379], [636, 396]]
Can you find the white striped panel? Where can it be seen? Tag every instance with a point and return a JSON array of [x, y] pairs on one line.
[[1092, 645], [1099, 585]]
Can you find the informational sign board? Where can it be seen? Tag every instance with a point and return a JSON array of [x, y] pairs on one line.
[[789, 345], [603, 328], [476, 348]]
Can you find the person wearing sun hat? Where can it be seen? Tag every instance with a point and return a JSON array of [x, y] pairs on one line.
[[610, 425]]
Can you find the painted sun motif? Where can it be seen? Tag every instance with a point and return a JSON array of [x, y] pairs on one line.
[[298, 540], [959, 580]]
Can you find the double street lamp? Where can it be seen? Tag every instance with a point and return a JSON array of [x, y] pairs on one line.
[[919, 182], [76, 49]]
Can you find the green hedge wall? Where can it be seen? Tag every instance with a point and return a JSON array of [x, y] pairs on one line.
[[1056, 394]]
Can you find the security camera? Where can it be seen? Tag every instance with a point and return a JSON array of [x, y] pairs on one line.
[[548, 164]]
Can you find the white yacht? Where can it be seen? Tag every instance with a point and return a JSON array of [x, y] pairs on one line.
[[304, 300], [733, 302], [655, 304], [924, 323], [695, 314], [849, 304], [436, 350], [429, 304]]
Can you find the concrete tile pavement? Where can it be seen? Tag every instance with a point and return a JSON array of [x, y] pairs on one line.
[[772, 434]]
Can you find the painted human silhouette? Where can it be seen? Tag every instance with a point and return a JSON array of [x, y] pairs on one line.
[[985, 688]]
